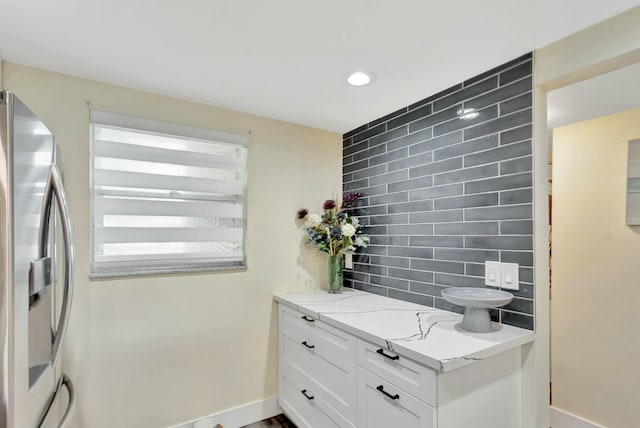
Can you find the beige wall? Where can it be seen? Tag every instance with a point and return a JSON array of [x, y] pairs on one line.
[[156, 351], [594, 308]]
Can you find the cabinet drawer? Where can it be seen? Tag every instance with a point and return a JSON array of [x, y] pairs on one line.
[[343, 344], [383, 405], [416, 379], [333, 376], [306, 407]]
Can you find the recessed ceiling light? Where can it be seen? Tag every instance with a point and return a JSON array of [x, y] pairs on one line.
[[360, 78]]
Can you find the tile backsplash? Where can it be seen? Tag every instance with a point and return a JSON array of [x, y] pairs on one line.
[[447, 185]]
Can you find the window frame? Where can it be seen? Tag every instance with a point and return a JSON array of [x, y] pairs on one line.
[[162, 128]]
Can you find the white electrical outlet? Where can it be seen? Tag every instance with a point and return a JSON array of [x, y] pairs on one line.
[[509, 275], [492, 274]]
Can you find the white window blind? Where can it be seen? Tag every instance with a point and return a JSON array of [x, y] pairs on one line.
[[166, 197]]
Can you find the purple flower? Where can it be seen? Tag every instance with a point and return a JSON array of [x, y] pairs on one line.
[[302, 213], [350, 199], [329, 204]]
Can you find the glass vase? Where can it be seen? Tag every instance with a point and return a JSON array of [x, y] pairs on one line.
[[335, 274]]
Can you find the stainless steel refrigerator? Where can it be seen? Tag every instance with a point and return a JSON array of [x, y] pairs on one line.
[[36, 273]]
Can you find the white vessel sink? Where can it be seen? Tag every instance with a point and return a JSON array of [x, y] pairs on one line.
[[477, 302]]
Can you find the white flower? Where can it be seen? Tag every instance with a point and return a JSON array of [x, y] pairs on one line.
[[313, 220], [362, 240], [355, 221], [348, 230]]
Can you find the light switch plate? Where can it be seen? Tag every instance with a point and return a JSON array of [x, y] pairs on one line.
[[492, 274], [348, 261], [509, 276]]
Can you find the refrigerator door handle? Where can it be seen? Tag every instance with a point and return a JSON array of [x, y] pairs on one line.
[[71, 401], [54, 187]]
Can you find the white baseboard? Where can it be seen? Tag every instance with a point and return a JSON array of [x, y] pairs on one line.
[[241, 415], [561, 419]]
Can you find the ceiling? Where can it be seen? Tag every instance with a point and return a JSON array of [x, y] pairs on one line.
[[286, 59]]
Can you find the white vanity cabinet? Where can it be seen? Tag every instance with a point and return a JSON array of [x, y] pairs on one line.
[[394, 388], [381, 404], [338, 366], [416, 379], [321, 385], [317, 368]]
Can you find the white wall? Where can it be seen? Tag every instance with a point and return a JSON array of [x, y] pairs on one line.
[[156, 351], [601, 48]]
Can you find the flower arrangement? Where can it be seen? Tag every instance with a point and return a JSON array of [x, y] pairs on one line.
[[335, 231]]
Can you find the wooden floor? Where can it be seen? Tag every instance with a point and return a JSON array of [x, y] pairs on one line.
[[280, 421]]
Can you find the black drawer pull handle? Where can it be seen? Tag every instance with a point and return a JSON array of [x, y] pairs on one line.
[[381, 389], [391, 357], [307, 345], [309, 397], [307, 319]]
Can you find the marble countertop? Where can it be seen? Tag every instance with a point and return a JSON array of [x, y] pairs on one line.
[[429, 336]]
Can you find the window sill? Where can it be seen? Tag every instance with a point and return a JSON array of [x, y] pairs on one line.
[[168, 271]]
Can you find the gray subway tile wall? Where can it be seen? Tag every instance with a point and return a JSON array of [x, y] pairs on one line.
[[442, 194]]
